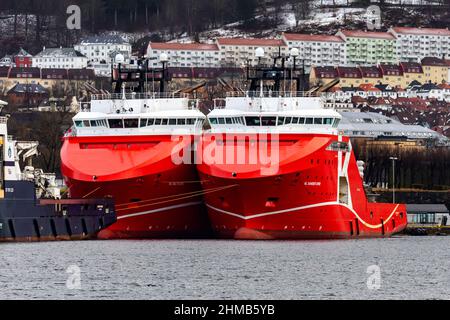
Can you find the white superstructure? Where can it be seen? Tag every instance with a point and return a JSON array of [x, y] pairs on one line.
[[139, 114], [274, 112]]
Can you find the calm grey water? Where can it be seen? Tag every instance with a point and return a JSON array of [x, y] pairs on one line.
[[410, 267]]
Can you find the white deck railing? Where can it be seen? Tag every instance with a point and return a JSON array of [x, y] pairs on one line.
[[133, 95]]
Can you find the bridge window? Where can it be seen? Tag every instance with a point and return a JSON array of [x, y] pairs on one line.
[[301, 120], [93, 123], [115, 123], [295, 120], [328, 121], [253, 121], [221, 121], [157, 122], [280, 121], [308, 120], [213, 120], [78, 123], [131, 123], [287, 120], [228, 120], [190, 121], [143, 122], [318, 120], [269, 121], [164, 122], [172, 121], [181, 121], [336, 123]]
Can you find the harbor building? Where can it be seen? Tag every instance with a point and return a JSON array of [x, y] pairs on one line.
[[368, 47], [60, 58], [413, 44]]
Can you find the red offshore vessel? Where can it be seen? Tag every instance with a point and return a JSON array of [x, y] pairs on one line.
[[284, 169], [125, 146]]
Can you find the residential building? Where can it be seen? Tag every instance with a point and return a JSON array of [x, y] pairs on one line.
[[371, 75], [60, 58], [185, 54], [349, 76], [320, 76], [317, 50], [238, 52], [27, 95], [392, 74], [413, 44], [7, 61], [368, 47], [435, 69], [102, 50], [411, 71], [23, 59]]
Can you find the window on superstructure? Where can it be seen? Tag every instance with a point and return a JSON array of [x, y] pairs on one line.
[[93, 123], [181, 121], [115, 123], [336, 123], [228, 120], [308, 120], [164, 122], [213, 120], [295, 120], [78, 123], [131, 123], [252, 121], [221, 121], [328, 121], [318, 120], [190, 121], [86, 123], [288, 120], [301, 120], [280, 121], [143, 123], [150, 122], [269, 121], [172, 121]]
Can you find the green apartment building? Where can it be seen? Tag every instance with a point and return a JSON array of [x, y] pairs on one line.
[[368, 47]]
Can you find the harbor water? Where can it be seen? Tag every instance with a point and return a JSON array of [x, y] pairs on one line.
[[405, 267]]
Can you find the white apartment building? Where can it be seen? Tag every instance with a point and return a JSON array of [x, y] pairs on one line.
[[318, 50], [237, 52], [59, 58], [102, 50], [413, 44], [185, 54]]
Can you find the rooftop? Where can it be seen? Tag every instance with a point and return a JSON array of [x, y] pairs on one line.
[[433, 61], [182, 46], [367, 34], [104, 39], [250, 42], [59, 52], [422, 31], [311, 37]]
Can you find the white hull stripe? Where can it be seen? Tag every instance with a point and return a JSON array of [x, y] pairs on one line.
[[187, 204], [323, 204]]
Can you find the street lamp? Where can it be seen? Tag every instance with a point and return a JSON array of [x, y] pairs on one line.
[[393, 177]]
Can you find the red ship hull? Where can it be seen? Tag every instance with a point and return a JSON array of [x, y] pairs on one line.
[[155, 198], [314, 193]]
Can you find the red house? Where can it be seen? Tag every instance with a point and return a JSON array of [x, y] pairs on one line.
[[23, 59]]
